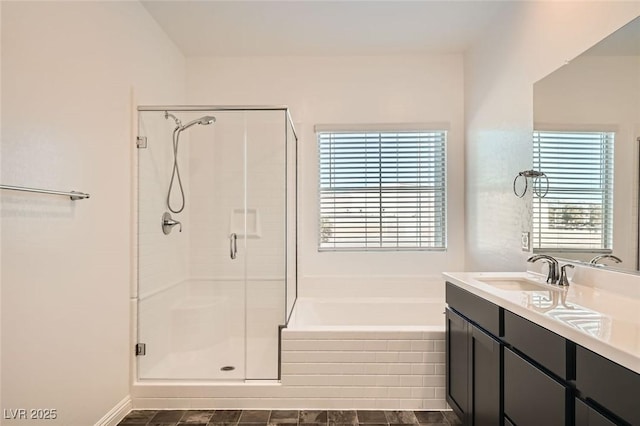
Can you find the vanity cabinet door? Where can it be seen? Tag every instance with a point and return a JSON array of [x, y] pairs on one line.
[[457, 353], [485, 378], [587, 416], [473, 372], [531, 397]]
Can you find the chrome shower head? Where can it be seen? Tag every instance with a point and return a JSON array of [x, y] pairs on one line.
[[207, 119]]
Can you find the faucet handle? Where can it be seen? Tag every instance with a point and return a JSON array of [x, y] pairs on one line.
[[168, 223], [564, 280]]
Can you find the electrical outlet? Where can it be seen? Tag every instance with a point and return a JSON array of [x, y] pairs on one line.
[[525, 241]]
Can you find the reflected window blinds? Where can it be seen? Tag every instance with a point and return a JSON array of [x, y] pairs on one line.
[[577, 212]]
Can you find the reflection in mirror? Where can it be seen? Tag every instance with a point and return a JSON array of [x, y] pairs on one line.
[[586, 136]]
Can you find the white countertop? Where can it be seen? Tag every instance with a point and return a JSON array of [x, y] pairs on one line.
[[605, 322]]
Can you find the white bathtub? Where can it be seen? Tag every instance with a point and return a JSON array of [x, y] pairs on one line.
[[368, 314]]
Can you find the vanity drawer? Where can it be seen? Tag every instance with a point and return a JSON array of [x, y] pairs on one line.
[[476, 309], [531, 397], [541, 345], [610, 385]]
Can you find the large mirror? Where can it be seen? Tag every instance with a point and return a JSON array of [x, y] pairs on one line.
[[586, 138]]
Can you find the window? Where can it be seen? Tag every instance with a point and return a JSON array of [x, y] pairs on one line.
[[577, 212], [382, 190]]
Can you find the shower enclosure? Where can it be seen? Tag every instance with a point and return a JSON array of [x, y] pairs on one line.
[[216, 241]]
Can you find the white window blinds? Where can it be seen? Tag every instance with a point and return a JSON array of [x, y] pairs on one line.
[[382, 190], [577, 212]]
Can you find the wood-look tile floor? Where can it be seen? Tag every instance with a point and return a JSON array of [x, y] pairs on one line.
[[287, 418]]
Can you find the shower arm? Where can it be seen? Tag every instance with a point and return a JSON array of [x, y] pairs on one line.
[[167, 114]]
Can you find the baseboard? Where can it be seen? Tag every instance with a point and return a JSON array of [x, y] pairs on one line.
[[117, 413]]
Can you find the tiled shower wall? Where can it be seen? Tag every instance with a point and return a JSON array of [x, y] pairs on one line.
[[223, 183], [325, 370]]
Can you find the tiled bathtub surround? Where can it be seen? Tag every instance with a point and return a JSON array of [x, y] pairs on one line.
[[287, 417], [366, 369]]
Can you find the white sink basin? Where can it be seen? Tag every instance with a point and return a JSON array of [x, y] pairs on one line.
[[515, 284]]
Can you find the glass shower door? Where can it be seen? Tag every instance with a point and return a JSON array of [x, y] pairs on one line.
[[217, 253], [191, 292]]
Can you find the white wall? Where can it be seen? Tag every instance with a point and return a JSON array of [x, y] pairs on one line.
[[68, 73], [592, 93], [350, 90], [532, 40]]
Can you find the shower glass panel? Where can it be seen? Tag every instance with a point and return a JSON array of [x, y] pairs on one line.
[[292, 214], [213, 292]]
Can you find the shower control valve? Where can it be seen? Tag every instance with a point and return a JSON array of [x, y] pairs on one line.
[[168, 223]]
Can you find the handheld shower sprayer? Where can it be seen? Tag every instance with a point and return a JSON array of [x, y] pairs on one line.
[[207, 119]]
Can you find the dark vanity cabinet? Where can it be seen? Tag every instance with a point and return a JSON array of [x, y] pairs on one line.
[[607, 386], [473, 359], [537, 369], [503, 369]]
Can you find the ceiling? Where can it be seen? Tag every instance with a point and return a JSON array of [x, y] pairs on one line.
[[318, 28]]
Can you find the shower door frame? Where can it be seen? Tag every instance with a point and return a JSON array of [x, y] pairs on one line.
[[288, 122]]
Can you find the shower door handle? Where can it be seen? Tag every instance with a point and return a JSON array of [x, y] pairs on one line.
[[233, 245]]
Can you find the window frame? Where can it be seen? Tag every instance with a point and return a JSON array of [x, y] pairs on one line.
[[386, 131]]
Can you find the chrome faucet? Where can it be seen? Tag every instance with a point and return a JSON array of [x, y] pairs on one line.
[[597, 259], [552, 275]]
